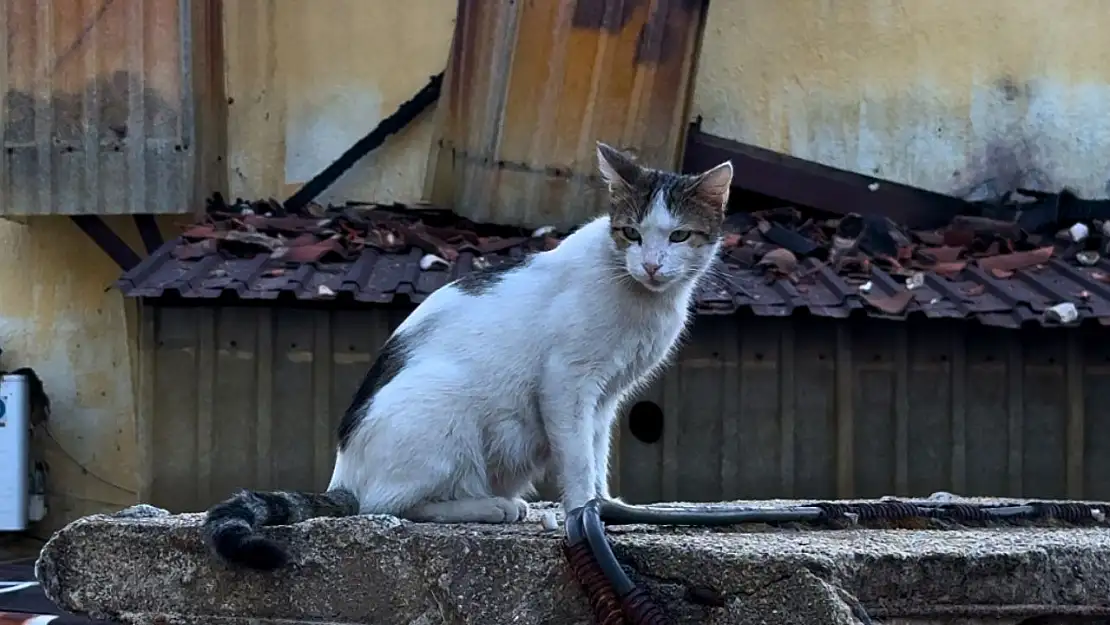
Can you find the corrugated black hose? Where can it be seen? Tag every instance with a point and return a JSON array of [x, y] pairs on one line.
[[616, 600], [600, 574]]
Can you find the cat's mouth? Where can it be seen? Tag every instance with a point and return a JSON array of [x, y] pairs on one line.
[[654, 284]]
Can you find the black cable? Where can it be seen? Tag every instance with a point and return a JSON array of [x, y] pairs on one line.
[[590, 521], [585, 526], [599, 545], [855, 606], [622, 514], [575, 533], [604, 603], [403, 116]]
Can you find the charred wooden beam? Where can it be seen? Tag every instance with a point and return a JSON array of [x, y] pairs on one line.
[[405, 114], [813, 185], [149, 232], [107, 240]]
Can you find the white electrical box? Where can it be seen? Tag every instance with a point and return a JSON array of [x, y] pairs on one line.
[[15, 440]]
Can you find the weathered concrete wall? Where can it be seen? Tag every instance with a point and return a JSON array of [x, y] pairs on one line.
[[304, 84], [143, 566], [945, 94]]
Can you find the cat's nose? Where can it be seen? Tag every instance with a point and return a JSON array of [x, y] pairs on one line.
[[651, 268]]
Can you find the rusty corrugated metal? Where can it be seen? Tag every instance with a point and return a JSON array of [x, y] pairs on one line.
[[97, 116], [801, 407], [532, 85]]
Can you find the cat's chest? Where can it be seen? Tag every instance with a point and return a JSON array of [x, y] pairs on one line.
[[638, 351]]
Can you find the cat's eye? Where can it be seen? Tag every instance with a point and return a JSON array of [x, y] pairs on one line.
[[678, 236], [630, 233]]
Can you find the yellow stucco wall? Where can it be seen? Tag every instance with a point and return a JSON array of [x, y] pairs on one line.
[[58, 318], [304, 84], [945, 94]]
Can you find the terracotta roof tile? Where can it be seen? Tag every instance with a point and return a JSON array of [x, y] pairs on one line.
[[373, 255]]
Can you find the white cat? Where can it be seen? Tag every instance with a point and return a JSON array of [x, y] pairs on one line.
[[508, 373]]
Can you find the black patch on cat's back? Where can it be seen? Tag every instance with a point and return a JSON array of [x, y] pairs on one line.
[[391, 359], [481, 281]]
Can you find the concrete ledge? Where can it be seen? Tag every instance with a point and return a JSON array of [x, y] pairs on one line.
[[145, 566]]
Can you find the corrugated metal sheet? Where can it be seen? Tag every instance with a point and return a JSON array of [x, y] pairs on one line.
[[821, 408], [532, 85], [797, 407], [97, 116], [246, 397]]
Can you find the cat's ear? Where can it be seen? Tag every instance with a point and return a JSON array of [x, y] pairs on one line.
[[617, 168], [712, 186]]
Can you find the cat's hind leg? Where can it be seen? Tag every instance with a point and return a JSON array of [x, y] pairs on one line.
[[484, 510], [472, 497]]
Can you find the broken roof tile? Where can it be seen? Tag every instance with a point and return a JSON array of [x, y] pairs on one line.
[[773, 262]]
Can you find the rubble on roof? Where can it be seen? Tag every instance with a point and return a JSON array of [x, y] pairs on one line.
[[340, 233], [1012, 262], [857, 248]]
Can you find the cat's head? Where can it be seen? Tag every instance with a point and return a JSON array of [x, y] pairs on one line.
[[666, 226]]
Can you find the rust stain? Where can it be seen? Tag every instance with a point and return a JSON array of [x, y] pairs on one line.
[[608, 15], [520, 107], [659, 37], [666, 34], [105, 78]]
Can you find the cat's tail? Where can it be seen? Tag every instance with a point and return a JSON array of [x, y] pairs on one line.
[[231, 527]]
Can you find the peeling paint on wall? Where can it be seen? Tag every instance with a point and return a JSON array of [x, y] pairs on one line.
[[951, 96]]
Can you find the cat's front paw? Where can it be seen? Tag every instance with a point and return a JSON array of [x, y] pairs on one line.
[[521, 508], [512, 510]]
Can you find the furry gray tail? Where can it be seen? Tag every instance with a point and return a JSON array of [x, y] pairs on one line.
[[231, 527]]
